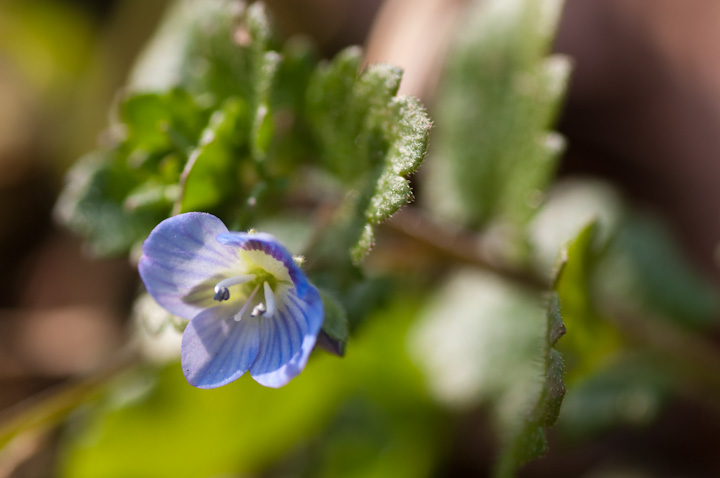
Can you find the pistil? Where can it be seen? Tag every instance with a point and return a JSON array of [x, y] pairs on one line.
[[245, 306]]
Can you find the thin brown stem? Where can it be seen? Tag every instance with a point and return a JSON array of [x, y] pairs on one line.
[[694, 360], [461, 246]]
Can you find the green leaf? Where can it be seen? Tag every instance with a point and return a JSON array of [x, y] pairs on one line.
[[101, 202], [161, 122], [593, 340], [115, 197], [333, 116], [367, 137], [645, 269], [220, 51], [335, 325], [406, 131], [211, 174], [213, 49], [572, 204], [626, 263], [483, 340], [497, 102], [523, 435], [631, 390], [223, 62]]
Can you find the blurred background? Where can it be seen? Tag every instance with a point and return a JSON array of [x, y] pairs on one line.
[[642, 111]]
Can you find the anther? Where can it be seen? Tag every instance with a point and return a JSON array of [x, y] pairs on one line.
[[221, 293], [258, 310], [221, 288]]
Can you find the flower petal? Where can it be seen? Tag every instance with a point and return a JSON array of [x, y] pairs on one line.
[[217, 349], [287, 338], [267, 253], [182, 260]]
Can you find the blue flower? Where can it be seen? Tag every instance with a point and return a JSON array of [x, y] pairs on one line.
[[250, 306]]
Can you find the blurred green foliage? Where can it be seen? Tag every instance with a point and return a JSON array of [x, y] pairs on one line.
[[484, 340], [48, 42], [495, 109], [367, 415]]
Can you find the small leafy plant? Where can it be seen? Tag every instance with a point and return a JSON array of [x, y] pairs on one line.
[[225, 127]]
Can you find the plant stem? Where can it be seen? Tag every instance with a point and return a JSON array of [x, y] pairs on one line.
[[693, 359], [49, 407]]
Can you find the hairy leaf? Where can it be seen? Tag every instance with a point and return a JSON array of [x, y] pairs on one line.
[[523, 432], [497, 103], [367, 137]]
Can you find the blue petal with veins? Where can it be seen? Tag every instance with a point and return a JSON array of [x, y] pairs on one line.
[[250, 306]]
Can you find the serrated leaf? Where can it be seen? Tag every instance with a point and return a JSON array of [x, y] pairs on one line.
[[367, 137], [498, 100], [620, 262], [609, 386], [407, 131], [224, 51], [223, 61], [524, 434], [347, 112]]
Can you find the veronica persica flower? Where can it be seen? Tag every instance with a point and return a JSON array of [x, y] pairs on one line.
[[250, 306]]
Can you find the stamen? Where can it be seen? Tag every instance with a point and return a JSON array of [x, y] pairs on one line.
[[269, 300], [262, 309], [221, 294], [221, 288], [258, 310], [239, 315]]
